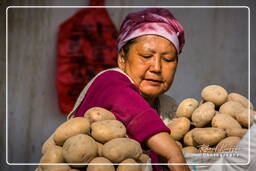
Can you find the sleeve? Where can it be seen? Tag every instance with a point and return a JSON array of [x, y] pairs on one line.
[[115, 92]]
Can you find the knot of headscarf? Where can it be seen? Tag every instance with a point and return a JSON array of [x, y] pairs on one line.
[[156, 21]]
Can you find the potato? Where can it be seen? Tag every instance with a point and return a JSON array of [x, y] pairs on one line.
[[100, 148], [98, 114], [80, 148], [237, 132], [203, 114], [48, 144], [228, 144], [143, 158], [179, 127], [179, 144], [52, 155], [208, 136], [70, 128], [190, 149], [188, 140], [134, 167], [231, 108], [118, 149], [100, 167], [224, 121], [240, 99], [242, 118], [215, 94], [186, 107], [107, 130], [56, 168]]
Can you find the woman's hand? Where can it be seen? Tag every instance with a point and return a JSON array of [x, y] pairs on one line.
[[163, 144]]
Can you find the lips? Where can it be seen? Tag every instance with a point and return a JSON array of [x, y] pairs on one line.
[[154, 82]]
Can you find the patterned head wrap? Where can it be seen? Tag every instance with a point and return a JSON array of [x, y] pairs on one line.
[[157, 21]]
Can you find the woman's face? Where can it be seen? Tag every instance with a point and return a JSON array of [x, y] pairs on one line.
[[151, 63]]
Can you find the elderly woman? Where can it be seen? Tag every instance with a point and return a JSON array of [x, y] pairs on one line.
[[149, 43]]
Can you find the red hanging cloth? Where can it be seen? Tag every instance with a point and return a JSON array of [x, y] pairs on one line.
[[86, 45]]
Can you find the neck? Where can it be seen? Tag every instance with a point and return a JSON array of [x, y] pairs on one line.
[[150, 100]]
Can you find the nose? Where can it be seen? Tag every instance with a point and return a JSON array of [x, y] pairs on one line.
[[156, 65]]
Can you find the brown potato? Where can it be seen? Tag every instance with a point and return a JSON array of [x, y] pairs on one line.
[[118, 149], [231, 108], [123, 167], [70, 128], [179, 127], [243, 117], [100, 148], [240, 99], [190, 149], [208, 136], [143, 158], [98, 114], [186, 107], [53, 155], [203, 114], [179, 144], [224, 121], [56, 168], [80, 148], [48, 144], [228, 144], [104, 131], [100, 167], [188, 140], [215, 94], [237, 132]]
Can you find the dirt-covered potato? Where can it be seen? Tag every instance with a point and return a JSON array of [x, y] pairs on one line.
[[240, 99], [231, 108], [208, 136], [107, 130], [228, 144], [203, 114], [123, 167], [70, 128], [100, 167], [224, 121], [48, 144], [52, 155], [215, 94], [179, 127], [143, 158], [188, 140], [186, 107], [80, 148], [99, 114], [242, 118], [179, 144], [118, 149], [100, 148], [237, 132], [56, 168], [190, 149]]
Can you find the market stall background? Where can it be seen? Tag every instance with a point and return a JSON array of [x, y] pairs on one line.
[[216, 52]]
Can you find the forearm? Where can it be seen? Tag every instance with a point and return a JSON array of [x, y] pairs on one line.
[[165, 146]]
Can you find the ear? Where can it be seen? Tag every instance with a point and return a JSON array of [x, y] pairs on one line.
[[121, 60]]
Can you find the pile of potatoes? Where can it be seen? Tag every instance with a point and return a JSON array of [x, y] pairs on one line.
[[96, 138], [215, 124]]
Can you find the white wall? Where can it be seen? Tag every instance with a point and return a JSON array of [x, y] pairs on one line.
[[216, 52]]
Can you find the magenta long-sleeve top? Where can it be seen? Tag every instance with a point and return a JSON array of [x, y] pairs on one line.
[[114, 91]]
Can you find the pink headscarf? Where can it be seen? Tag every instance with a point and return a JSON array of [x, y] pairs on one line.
[[157, 21]]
